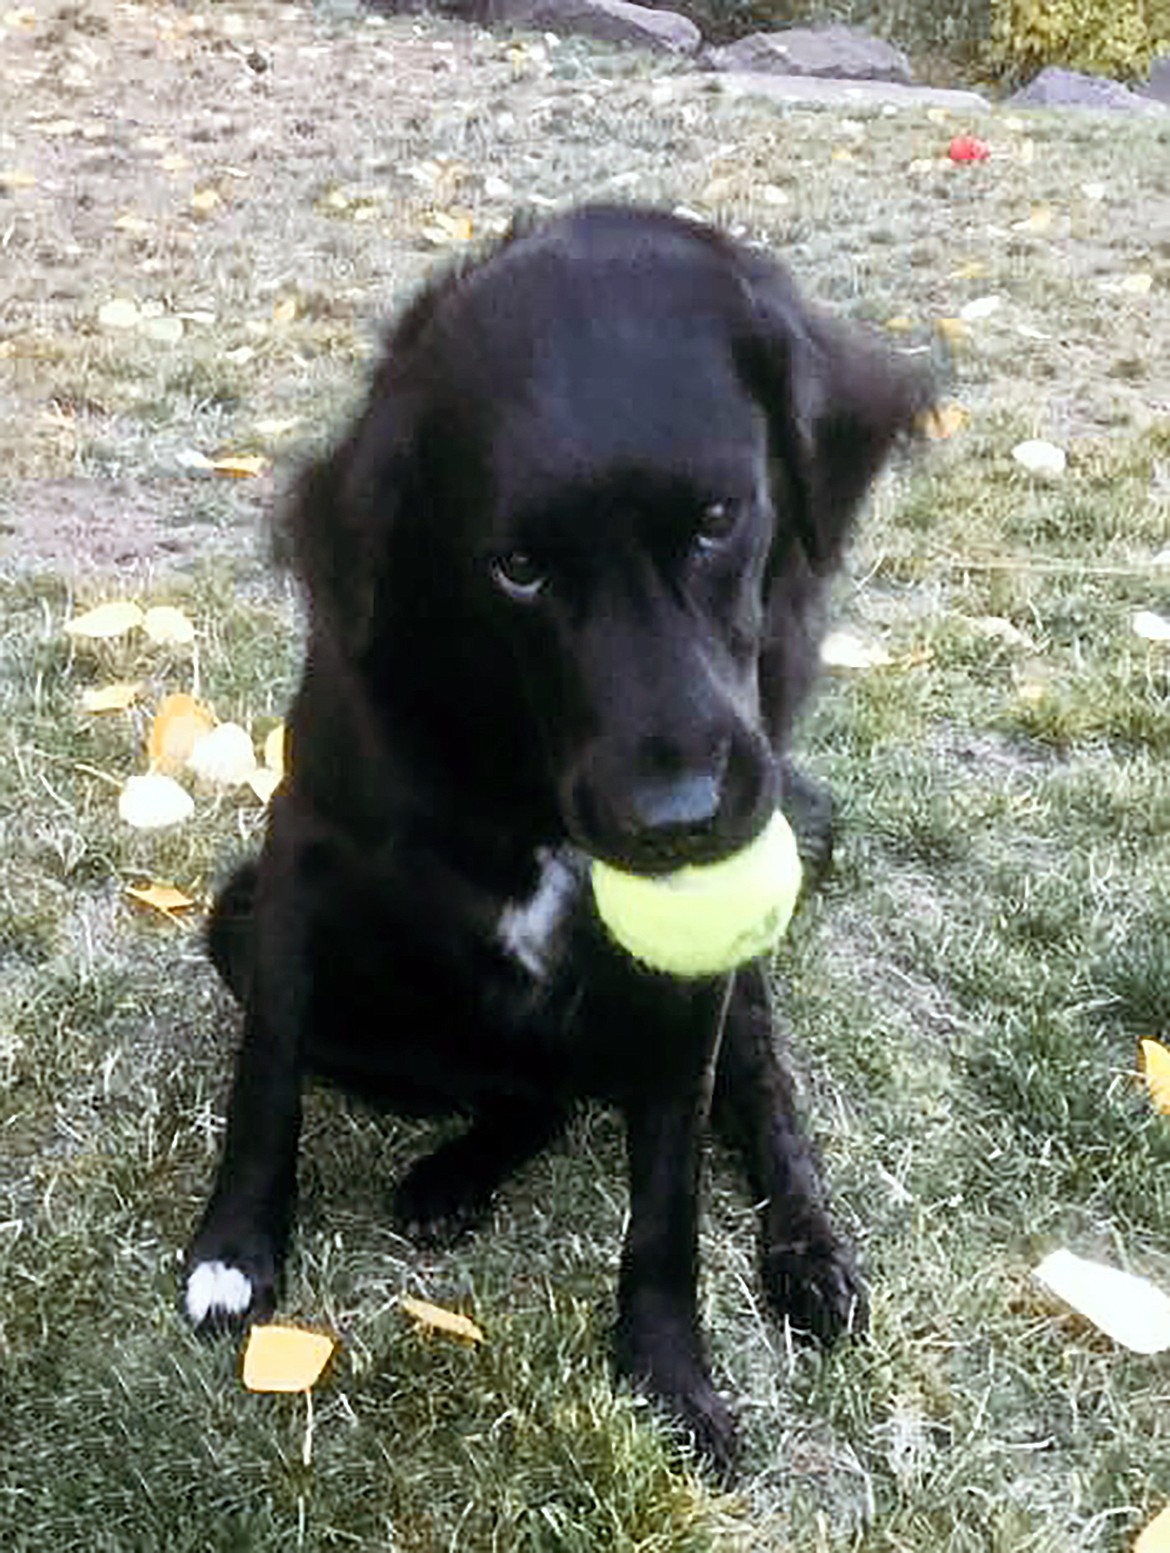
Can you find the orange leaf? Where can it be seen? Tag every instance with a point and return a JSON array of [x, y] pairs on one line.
[[282, 1358], [943, 421], [241, 466], [178, 725], [160, 897], [433, 1318]]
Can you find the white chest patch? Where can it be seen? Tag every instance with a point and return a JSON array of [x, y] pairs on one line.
[[533, 930]]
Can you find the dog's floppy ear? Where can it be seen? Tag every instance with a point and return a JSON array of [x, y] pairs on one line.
[[836, 402], [336, 529]]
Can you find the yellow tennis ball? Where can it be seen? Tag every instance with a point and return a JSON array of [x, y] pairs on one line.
[[701, 921]]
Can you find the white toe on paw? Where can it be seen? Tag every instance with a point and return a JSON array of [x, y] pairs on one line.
[[215, 1289]]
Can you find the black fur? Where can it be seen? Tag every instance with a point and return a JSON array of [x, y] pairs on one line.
[[566, 576]]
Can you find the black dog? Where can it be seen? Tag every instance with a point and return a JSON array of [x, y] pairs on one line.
[[566, 577]]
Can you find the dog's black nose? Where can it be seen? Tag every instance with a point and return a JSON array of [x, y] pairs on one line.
[[685, 803]]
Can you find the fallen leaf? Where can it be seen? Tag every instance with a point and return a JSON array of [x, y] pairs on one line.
[[17, 178], [955, 331], [173, 162], [178, 725], [154, 801], [1137, 285], [137, 226], [1156, 1066], [1150, 627], [224, 756], [1039, 457], [1163, 557], [972, 270], [1034, 681], [241, 466], [164, 898], [274, 749], [284, 1358], [119, 313], [204, 201], [1156, 1536], [284, 310], [277, 425], [23, 17], [1039, 219], [59, 127], [167, 626], [433, 1318], [117, 618], [1094, 191], [167, 330], [942, 422], [843, 650], [443, 228], [899, 324], [110, 698], [264, 781], [979, 308], [1130, 1310]]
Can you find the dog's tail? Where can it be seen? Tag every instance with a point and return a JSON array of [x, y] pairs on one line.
[[229, 930]]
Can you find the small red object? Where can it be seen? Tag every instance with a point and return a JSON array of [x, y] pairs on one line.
[[968, 148]]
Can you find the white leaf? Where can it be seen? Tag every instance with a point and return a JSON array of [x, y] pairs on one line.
[[167, 626], [1151, 627], [843, 650], [105, 621], [1130, 1310], [1039, 457], [980, 307], [224, 756], [119, 313], [153, 801]]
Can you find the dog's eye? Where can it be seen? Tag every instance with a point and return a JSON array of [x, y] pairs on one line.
[[716, 523], [519, 575]]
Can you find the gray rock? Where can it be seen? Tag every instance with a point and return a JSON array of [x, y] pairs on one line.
[[840, 53], [844, 94], [1056, 88], [1158, 86], [611, 21]]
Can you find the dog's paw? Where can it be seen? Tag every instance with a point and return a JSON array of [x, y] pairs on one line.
[[219, 1296], [435, 1206], [666, 1365], [816, 1286]]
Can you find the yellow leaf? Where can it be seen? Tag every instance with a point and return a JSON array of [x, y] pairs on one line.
[[955, 331], [444, 227], [1156, 1066], [943, 421], [154, 801], [23, 16], [164, 898], [117, 618], [168, 626], [241, 466], [110, 698], [284, 310], [1156, 1537], [17, 178], [433, 1318], [972, 270], [138, 226], [204, 201], [224, 756], [178, 725], [282, 1358], [899, 324]]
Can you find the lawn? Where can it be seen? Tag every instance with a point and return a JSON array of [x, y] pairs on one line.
[[204, 217]]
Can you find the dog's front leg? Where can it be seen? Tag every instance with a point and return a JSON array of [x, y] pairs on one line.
[[658, 1343], [236, 1256]]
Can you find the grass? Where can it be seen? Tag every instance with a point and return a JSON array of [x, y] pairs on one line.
[[964, 998]]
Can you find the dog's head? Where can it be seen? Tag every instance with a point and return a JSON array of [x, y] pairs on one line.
[[578, 539]]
